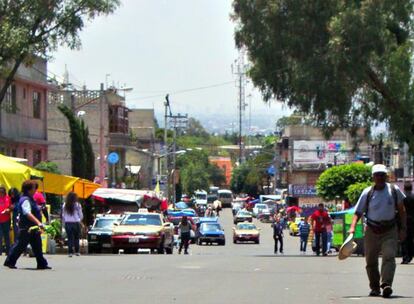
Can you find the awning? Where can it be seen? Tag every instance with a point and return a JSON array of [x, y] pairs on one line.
[[133, 169], [63, 184], [13, 174], [146, 199]]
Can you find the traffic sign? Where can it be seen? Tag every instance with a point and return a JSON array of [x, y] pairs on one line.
[[113, 158]]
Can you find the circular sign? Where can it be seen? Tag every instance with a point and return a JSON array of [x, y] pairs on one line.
[[113, 158]]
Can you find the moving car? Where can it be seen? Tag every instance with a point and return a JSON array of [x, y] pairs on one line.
[[243, 216], [210, 233], [259, 209], [246, 232], [99, 234], [225, 197], [294, 226], [143, 230]]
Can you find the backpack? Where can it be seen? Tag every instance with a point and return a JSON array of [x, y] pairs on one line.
[[383, 226]]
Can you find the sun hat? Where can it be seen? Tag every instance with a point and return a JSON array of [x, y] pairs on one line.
[[347, 248], [379, 169]]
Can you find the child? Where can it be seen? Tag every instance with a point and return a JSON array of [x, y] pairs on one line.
[[304, 229]]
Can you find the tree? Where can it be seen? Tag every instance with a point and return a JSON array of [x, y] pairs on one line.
[[83, 157], [345, 63], [335, 181], [54, 200], [194, 177], [37, 27], [246, 178], [48, 166], [354, 191], [89, 154], [195, 128], [216, 175]]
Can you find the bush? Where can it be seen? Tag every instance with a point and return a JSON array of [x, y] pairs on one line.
[[335, 181], [354, 191]]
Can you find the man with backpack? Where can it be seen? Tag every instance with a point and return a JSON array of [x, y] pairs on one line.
[[385, 221]]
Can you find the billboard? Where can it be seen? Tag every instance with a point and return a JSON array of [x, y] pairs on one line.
[[302, 190], [319, 152]]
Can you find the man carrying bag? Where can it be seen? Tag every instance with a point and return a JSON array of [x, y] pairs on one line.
[[383, 208]]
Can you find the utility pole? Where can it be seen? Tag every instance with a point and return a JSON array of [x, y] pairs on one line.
[[276, 162], [165, 169], [102, 160], [240, 71]]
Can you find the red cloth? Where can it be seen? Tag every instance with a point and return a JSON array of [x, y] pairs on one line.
[[321, 220], [4, 204], [39, 198], [164, 205]]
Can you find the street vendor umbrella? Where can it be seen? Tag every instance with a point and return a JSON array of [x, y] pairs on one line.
[[181, 205], [292, 209]]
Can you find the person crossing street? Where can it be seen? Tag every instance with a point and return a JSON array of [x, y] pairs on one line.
[[278, 234]]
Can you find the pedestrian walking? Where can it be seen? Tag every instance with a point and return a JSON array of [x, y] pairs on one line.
[[217, 206], [408, 244], [380, 205], [29, 218], [4, 220], [72, 217], [319, 222], [41, 202], [278, 234], [14, 195], [304, 229], [185, 234]]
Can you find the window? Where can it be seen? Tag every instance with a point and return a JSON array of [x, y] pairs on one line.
[[13, 152], [37, 157], [10, 100], [24, 153], [36, 105], [24, 93]]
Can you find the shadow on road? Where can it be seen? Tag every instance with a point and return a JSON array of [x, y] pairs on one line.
[[368, 297]]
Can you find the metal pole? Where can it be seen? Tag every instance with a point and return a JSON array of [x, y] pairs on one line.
[[275, 164], [173, 169], [240, 114], [101, 136], [166, 104]]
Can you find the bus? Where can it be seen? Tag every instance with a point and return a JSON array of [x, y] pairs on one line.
[[225, 197]]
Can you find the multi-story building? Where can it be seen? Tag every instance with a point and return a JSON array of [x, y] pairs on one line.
[[225, 164], [304, 153], [23, 114]]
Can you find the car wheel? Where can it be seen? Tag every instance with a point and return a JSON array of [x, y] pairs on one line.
[[222, 243], [160, 249], [115, 250], [257, 241], [234, 242]]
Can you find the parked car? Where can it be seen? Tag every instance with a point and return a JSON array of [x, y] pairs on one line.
[[243, 216], [99, 234], [143, 230], [210, 233], [246, 232]]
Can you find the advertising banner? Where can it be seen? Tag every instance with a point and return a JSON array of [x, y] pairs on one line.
[[319, 152]]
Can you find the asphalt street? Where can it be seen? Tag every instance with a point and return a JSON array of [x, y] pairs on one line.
[[235, 273]]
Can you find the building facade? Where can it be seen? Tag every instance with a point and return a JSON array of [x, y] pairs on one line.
[[23, 114]]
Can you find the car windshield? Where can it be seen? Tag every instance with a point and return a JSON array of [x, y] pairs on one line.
[[104, 223], [244, 213], [246, 226], [210, 227], [142, 220], [201, 196], [261, 206], [224, 195]]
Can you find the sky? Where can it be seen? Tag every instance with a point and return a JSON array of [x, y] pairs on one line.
[[164, 46]]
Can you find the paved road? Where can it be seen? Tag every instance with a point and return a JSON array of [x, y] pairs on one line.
[[211, 274]]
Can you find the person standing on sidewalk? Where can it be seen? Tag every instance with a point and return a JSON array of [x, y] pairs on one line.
[[29, 219], [380, 204], [72, 217], [304, 229], [319, 221], [408, 244], [278, 234], [4, 220]]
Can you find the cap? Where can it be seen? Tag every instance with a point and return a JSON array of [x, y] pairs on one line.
[[379, 169], [347, 248]]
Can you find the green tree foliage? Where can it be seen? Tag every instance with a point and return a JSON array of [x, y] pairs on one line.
[[354, 191], [246, 178], [194, 176], [83, 157], [345, 63], [38, 27], [336, 180], [216, 175], [195, 128], [48, 166]]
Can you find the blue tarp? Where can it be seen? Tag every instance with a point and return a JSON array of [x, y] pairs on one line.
[[180, 213], [181, 205]]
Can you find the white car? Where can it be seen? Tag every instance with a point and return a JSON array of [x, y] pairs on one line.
[[260, 208]]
